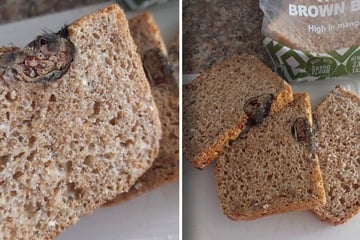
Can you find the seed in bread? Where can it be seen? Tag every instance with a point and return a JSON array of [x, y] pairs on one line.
[[270, 170], [338, 139], [68, 147], [213, 104]]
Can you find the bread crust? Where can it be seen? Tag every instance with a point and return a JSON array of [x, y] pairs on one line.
[[5, 49]]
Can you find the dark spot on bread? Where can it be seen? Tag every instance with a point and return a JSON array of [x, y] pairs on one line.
[[257, 108], [300, 130]]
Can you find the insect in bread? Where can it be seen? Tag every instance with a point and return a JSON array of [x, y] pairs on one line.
[[302, 132], [43, 60], [157, 67], [256, 109]]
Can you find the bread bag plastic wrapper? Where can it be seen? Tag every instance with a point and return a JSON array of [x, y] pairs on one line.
[[312, 39], [138, 4]]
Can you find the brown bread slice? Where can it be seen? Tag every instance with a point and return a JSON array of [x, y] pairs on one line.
[[69, 145], [165, 168], [338, 138], [152, 50], [146, 33], [269, 171], [213, 104]]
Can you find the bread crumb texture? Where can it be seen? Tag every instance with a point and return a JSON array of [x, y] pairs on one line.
[[146, 33], [165, 168], [213, 104], [338, 141], [68, 147], [269, 171]]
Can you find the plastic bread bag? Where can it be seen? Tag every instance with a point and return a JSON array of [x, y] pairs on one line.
[[312, 39], [138, 4]]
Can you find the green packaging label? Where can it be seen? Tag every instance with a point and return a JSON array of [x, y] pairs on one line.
[[297, 66], [353, 64], [320, 66]]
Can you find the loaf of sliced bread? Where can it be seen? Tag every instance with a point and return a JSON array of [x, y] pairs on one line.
[[213, 105], [273, 168], [165, 168], [78, 125], [338, 138]]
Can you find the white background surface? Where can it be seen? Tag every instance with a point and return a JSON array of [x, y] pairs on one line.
[[152, 216], [203, 218]]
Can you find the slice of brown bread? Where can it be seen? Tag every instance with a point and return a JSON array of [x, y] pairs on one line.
[[146, 33], [213, 104], [273, 168], [338, 137], [165, 168], [70, 144], [294, 31], [152, 50]]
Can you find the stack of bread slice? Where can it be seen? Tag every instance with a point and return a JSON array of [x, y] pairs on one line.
[[78, 124], [159, 71], [267, 160]]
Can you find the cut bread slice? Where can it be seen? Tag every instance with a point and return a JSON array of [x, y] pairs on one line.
[[165, 168], [273, 168], [213, 105], [338, 137], [306, 34], [146, 33], [69, 144], [152, 50]]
